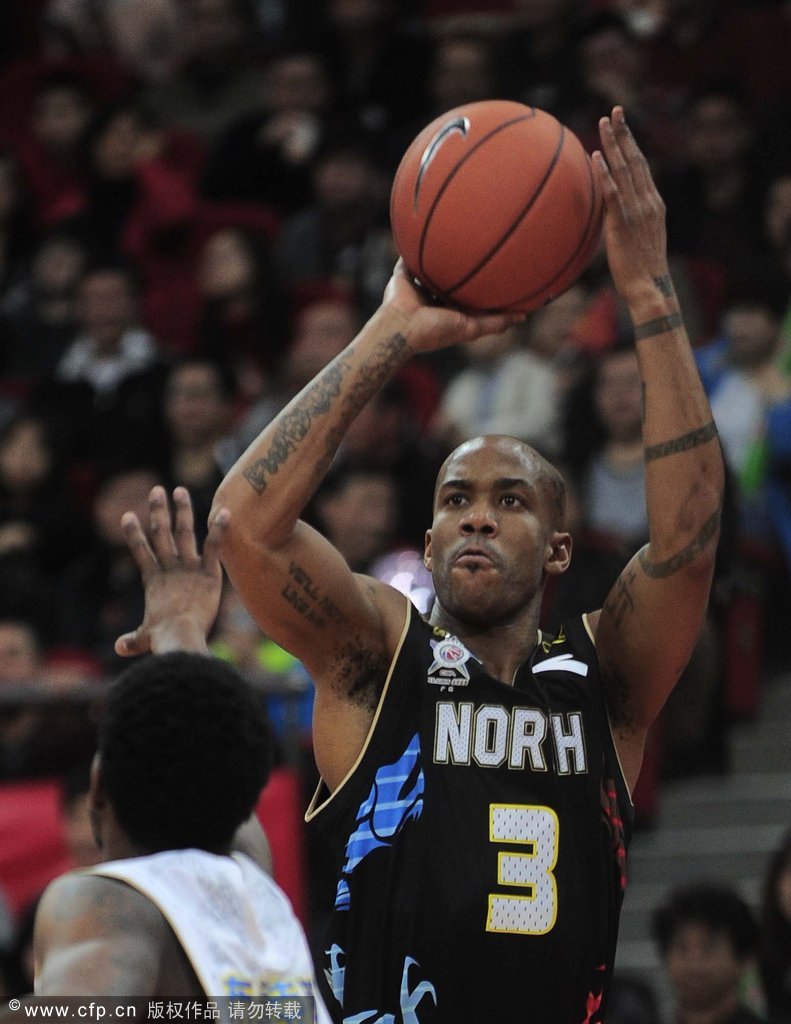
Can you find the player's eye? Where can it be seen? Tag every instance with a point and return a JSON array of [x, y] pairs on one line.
[[456, 500], [511, 500]]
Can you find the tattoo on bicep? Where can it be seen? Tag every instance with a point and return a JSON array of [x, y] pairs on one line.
[[619, 601], [662, 325], [318, 401], [681, 444], [307, 600], [661, 570], [665, 285]]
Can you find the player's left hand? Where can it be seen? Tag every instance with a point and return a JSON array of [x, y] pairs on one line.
[[635, 235], [182, 587]]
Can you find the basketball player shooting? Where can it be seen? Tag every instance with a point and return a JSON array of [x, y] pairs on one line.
[[476, 772]]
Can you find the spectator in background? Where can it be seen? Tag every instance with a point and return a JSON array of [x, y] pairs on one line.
[[101, 595], [534, 55], [142, 35], [604, 450], [357, 510], [706, 936], [370, 43], [195, 451], [777, 228], [504, 389], [697, 41], [715, 195], [51, 153], [267, 156], [107, 387], [745, 377], [775, 933], [605, 462], [38, 316], [386, 435], [242, 312], [323, 327], [140, 185], [39, 735], [15, 221], [550, 337], [611, 59], [40, 518], [343, 236], [218, 78], [461, 69]]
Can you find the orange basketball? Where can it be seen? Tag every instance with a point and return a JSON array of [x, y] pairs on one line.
[[494, 206]]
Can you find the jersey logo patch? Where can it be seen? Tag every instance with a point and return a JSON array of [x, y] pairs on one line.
[[449, 667], [564, 662]]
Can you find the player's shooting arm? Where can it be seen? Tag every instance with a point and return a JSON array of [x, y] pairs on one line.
[[650, 622], [295, 584]]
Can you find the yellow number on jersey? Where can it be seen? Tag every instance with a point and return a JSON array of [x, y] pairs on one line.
[[536, 829]]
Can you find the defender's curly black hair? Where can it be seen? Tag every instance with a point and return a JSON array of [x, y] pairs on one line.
[[185, 750]]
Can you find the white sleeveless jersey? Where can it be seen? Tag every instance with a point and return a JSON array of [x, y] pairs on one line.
[[234, 923]]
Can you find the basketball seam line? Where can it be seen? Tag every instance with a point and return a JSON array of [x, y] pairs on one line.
[[584, 241], [424, 277], [531, 202]]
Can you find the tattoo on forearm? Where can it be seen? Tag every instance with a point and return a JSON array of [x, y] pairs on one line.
[[619, 601], [681, 444], [318, 401], [665, 285], [307, 600], [389, 355], [295, 424], [662, 325], [661, 570]]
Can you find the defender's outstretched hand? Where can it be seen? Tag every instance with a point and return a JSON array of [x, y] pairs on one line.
[[635, 236], [182, 587]]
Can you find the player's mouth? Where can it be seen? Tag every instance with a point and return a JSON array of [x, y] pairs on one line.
[[474, 558]]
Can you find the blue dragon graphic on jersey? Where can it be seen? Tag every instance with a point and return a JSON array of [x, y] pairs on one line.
[[396, 797]]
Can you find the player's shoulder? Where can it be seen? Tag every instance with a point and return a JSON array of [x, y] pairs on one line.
[[81, 901], [390, 603]]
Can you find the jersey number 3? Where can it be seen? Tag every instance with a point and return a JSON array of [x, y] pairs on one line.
[[535, 830]]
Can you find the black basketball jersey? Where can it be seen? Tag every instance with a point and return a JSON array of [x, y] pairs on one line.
[[482, 835]]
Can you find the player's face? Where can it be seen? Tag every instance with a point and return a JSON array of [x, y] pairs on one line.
[[495, 532]]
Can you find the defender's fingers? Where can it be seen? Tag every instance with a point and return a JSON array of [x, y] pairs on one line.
[[218, 527], [606, 183], [138, 545], [160, 530], [184, 528]]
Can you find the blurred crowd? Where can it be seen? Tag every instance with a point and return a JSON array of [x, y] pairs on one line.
[[194, 220]]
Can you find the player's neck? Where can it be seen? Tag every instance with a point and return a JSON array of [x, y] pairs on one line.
[[501, 648]]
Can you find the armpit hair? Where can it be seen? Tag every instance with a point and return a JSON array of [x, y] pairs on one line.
[[361, 674]]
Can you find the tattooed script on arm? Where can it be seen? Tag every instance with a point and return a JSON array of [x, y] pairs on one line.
[[320, 400], [307, 600]]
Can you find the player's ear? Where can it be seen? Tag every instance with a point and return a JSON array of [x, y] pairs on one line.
[[427, 551], [558, 553], [97, 801]]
